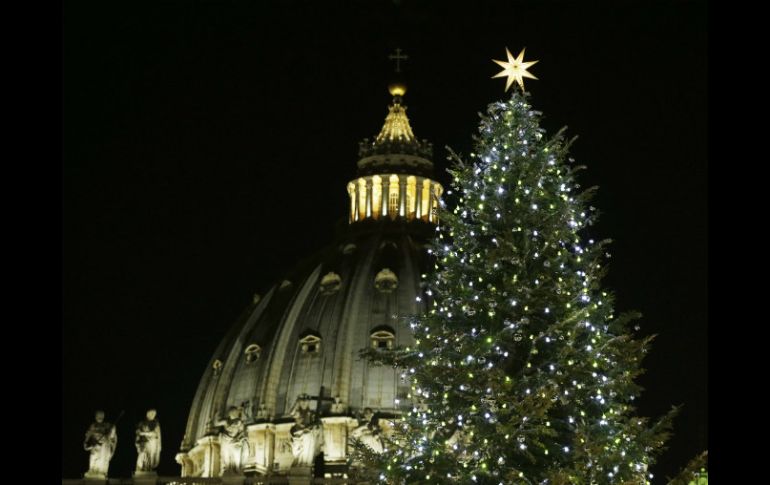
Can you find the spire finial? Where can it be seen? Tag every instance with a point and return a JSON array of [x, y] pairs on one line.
[[397, 88], [398, 58]]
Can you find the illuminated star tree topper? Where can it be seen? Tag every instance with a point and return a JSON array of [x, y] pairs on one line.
[[515, 69]]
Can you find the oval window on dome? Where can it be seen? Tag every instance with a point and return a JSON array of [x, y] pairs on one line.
[[310, 343], [330, 283], [382, 338], [386, 280], [252, 353]]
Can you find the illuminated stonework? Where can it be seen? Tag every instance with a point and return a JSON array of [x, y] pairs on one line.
[[252, 353], [330, 283], [396, 170], [290, 363], [382, 337], [311, 344], [404, 199], [396, 125], [386, 281]]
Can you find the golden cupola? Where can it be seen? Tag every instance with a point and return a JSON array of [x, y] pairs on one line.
[[395, 172]]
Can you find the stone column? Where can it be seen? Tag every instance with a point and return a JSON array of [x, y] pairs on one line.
[[335, 430], [402, 196], [211, 463], [352, 195], [262, 446], [282, 454], [355, 195], [368, 212], [385, 195], [418, 198]]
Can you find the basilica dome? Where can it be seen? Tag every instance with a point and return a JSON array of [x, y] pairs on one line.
[[296, 349]]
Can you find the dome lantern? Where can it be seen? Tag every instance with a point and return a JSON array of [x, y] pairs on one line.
[[395, 172]]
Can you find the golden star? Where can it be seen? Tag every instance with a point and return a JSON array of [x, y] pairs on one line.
[[514, 69]]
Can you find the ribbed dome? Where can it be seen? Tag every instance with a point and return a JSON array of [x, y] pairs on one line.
[[291, 362], [344, 319], [344, 298]]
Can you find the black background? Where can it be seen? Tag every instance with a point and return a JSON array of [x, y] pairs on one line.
[[207, 146]]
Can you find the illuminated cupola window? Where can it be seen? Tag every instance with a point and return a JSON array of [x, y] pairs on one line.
[[395, 172]]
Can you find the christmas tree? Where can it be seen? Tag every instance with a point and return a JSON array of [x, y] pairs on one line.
[[521, 372], [695, 473]]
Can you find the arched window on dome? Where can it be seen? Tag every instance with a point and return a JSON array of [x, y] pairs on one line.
[[310, 342], [382, 337], [252, 353]]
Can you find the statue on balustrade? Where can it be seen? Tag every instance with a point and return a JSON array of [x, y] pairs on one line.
[[369, 432], [233, 443], [100, 441], [148, 443], [338, 407], [306, 434]]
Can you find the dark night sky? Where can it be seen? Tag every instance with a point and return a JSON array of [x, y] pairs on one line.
[[207, 146]]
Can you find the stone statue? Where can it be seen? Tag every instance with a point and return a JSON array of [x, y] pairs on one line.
[[101, 440], [262, 412], [338, 407], [306, 435], [369, 432], [148, 443], [248, 410], [232, 442]]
